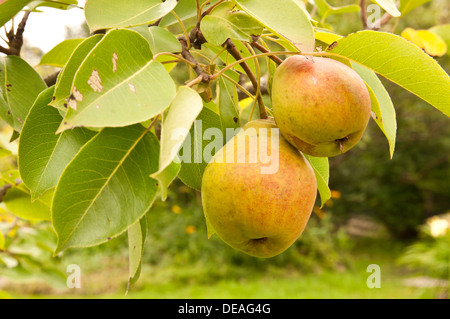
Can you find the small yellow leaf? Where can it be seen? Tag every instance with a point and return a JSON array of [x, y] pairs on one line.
[[411, 35], [433, 43], [430, 42]]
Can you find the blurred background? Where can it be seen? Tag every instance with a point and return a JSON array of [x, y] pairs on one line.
[[394, 213]]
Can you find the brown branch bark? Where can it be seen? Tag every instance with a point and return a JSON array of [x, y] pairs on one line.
[[16, 39], [262, 49], [188, 56], [231, 48], [51, 79]]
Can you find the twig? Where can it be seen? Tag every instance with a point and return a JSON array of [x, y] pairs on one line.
[[231, 48], [188, 56], [16, 39], [51, 79], [3, 191], [362, 4], [262, 49]]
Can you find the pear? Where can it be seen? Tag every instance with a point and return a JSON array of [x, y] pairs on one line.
[[321, 106], [256, 205]]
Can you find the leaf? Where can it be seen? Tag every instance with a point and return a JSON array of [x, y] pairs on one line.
[[162, 40], [326, 9], [401, 62], [20, 84], [18, 200], [2, 241], [389, 6], [443, 31], [431, 42], [166, 177], [193, 158], [183, 111], [185, 9], [4, 152], [106, 188], [136, 240], [65, 77], [57, 4], [382, 106], [223, 23], [247, 106], [105, 14], [114, 86], [9, 8], [322, 171], [43, 155], [407, 6], [284, 17], [227, 103], [60, 54]]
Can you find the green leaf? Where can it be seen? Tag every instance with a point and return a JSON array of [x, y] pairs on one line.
[[389, 6], [185, 9], [60, 54], [136, 240], [224, 23], [20, 84], [166, 177], [18, 200], [105, 14], [322, 170], [382, 107], [163, 41], [407, 6], [193, 160], [4, 152], [114, 86], [227, 103], [43, 155], [9, 8], [106, 188], [65, 77], [284, 17], [326, 9], [183, 111], [57, 4], [401, 62]]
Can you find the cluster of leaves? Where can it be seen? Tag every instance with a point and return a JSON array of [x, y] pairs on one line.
[[97, 146]]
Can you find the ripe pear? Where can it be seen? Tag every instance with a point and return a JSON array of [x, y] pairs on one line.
[[257, 210], [321, 106]]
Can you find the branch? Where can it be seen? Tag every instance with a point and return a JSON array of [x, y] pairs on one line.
[[16, 40], [231, 48], [188, 56], [3, 191], [262, 49], [380, 22], [51, 79], [362, 4]]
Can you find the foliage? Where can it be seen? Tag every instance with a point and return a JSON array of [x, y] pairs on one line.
[[432, 251], [96, 147]]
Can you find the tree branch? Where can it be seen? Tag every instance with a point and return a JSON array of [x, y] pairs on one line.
[[3, 191], [16, 39], [262, 49], [362, 4], [188, 56], [51, 79], [231, 48]]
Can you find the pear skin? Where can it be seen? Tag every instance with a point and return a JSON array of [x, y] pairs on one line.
[[321, 106], [261, 214]]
